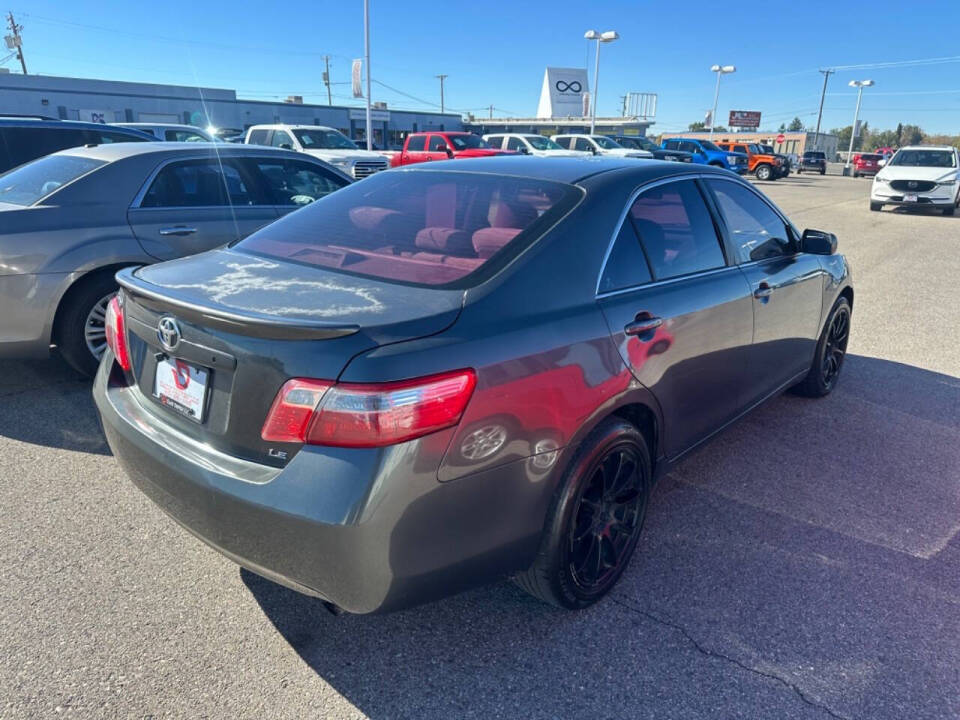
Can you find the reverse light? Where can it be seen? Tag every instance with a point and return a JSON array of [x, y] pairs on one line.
[[367, 415], [116, 330]]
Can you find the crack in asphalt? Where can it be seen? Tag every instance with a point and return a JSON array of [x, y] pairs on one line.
[[721, 656]]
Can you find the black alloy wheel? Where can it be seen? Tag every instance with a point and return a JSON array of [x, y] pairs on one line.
[[595, 520], [830, 353], [607, 519]]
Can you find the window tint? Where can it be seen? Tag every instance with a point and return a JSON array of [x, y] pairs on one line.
[[183, 136], [198, 183], [429, 228], [437, 144], [281, 138], [626, 266], [563, 142], [30, 183], [583, 144], [102, 137], [495, 141], [24, 144], [676, 230], [417, 143], [296, 182], [516, 144], [740, 148], [755, 230], [689, 146], [673, 145], [258, 137]]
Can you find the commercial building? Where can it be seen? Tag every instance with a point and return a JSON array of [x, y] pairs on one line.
[[793, 142], [115, 101]]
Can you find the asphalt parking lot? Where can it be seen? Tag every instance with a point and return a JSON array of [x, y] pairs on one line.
[[806, 564]]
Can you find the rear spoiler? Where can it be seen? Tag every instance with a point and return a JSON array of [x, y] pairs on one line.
[[270, 327]]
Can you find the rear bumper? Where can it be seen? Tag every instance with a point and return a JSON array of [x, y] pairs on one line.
[[367, 530], [28, 303]]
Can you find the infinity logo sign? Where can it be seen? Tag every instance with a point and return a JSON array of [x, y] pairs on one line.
[[563, 86]]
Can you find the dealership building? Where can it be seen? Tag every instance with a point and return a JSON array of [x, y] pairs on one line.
[[792, 142], [114, 101]]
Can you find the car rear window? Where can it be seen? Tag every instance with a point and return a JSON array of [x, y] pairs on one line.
[[869, 156], [814, 155], [423, 228], [30, 183]]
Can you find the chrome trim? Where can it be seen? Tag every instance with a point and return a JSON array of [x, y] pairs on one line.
[[667, 281]]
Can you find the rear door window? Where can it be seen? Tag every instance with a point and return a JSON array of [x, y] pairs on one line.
[[426, 228], [417, 143], [626, 265], [258, 137], [676, 230], [756, 231], [495, 141], [199, 183], [295, 182]]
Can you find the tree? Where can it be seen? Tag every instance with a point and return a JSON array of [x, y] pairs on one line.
[[843, 137], [795, 125], [702, 127], [911, 135], [782, 128], [883, 138]]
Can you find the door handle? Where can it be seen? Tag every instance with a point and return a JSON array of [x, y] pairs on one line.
[[763, 291], [179, 230], [642, 325]]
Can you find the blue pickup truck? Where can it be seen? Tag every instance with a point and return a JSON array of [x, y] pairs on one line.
[[706, 153]]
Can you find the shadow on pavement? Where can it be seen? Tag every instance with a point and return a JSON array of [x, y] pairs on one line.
[[804, 564], [45, 402]]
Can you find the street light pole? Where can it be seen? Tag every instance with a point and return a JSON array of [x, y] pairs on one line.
[[719, 70], [366, 52], [604, 37], [860, 85]]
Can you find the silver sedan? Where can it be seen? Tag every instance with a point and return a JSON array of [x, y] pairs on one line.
[[69, 221]]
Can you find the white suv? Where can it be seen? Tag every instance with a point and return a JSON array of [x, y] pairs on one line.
[[531, 144], [321, 142], [598, 145], [920, 176]]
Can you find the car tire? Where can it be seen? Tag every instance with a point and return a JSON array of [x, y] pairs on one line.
[[830, 353], [596, 515], [823, 172], [875, 206], [764, 172], [79, 327], [799, 171], [856, 174]]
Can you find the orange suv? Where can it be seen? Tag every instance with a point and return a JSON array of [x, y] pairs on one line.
[[764, 165]]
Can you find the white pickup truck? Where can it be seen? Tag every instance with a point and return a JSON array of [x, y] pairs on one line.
[[323, 143]]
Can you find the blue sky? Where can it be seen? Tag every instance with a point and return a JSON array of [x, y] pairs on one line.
[[495, 52]]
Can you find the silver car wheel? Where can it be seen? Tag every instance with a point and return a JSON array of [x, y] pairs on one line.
[[95, 328]]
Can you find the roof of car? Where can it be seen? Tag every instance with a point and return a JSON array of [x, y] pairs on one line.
[[299, 126], [560, 169], [111, 152], [179, 126], [928, 147], [38, 122]]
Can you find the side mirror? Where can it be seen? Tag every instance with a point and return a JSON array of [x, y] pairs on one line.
[[449, 152], [818, 242], [594, 150], [524, 150]]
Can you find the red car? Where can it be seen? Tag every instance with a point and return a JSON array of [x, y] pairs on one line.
[[427, 146], [866, 164]]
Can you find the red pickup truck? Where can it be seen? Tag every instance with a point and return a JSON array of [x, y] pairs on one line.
[[426, 146]]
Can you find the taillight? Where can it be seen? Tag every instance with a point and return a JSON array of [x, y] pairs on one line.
[[117, 332], [367, 415]]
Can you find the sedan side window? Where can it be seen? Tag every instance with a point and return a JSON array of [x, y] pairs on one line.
[[198, 183], [297, 182], [676, 230], [626, 266], [757, 232]]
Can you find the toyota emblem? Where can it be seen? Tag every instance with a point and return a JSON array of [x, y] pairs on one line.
[[168, 332]]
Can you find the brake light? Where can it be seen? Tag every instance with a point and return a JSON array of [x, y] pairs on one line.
[[116, 330], [367, 415]]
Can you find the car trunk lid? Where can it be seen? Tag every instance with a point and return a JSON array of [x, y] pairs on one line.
[[249, 324]]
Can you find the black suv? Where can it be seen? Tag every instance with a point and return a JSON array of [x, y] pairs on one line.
[[639, 142], [813, 160], [24, 139]]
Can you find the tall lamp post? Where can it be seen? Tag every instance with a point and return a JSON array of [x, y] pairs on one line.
[[860, 85], [720, 70], [604, 37]]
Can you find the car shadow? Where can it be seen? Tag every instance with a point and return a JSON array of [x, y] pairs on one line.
[[784, 571], [45, 402]]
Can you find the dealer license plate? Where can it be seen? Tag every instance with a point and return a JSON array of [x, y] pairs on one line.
[[181, 387]]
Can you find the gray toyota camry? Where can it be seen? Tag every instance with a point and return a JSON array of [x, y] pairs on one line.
[[451, 374]]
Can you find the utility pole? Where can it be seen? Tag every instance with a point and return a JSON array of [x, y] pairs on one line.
[[442, 78], [823, 95], [17, 40], [326, 78], [623, 113], [491, 112]]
